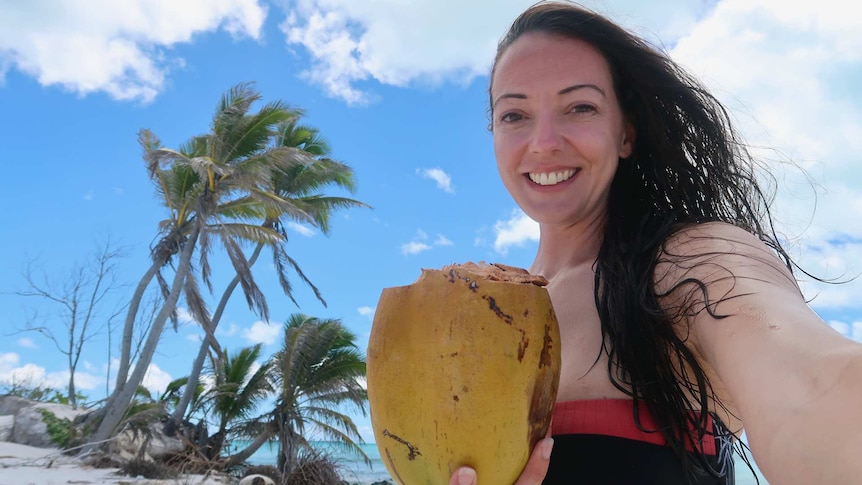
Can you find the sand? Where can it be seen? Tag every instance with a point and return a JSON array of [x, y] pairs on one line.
[[27, 465]]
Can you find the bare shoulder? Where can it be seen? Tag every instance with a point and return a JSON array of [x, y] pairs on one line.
[[721, 258], [730, 288]]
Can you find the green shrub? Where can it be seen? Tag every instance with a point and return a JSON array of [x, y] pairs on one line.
[[60, 430]]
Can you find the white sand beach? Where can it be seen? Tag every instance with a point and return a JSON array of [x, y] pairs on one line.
[[27, 465]]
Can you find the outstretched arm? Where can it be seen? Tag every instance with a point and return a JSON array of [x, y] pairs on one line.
[[796, 382]]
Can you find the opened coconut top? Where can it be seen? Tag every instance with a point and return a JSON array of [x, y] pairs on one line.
[[497, 272]]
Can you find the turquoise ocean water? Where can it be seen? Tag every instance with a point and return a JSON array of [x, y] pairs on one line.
[[356, 472], [352, 468]]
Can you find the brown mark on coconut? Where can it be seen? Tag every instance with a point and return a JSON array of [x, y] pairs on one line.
[[545, 357], [413, 451], [522, 347], [492, 304]]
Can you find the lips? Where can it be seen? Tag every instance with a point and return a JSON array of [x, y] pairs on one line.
[[551, 178]]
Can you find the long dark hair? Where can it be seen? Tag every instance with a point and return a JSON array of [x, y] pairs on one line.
[[688, 166]]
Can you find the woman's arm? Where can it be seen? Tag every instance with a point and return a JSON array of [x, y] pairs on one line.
[[795, 381]]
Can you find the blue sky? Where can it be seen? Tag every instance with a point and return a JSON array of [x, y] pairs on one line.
[[399, 90]]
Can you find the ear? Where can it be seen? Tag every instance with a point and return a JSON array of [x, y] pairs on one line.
[[627, 144]]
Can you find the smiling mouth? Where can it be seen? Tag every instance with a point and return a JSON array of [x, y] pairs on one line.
[[552, 178]]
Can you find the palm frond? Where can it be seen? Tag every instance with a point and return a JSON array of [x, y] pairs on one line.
[[308, 178], [274, 204], [303, 137], [198, 308], [320, 208], [245, 208], [252, 134], [205, 249], [150, 143], [253, 295], [282, 261], [249, 232]]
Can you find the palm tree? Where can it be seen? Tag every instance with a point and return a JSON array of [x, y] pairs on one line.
[[212, 185], [240, 385], [318, 371], [301, 186]]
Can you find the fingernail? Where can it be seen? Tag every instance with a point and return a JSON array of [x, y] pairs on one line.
[[547, 446], [466, 476]]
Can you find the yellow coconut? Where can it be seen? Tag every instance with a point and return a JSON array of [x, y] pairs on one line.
[[463, 369]]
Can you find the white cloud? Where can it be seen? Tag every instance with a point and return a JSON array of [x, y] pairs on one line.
[[848, 329], [419, 244], [230, 331], [790, 78], [262, 333], [443, 241], [27, 343], [302, 230], [518, 230], [156, 380], [432, 41], [84, 381], [443, 180], [184, 316], [120, 48], [396, 42], [29, 374], [841, 327], [414, 247], [366, 311]]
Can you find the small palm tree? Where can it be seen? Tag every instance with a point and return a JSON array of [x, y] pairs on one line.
[[239, 387], [318, 372]]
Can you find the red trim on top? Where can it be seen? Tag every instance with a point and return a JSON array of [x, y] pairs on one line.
[[614, 417]]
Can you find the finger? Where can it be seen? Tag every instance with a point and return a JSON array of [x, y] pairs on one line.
[[537, 466], [463, 476]]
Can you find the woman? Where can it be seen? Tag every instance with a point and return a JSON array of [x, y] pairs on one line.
[[682, 323]]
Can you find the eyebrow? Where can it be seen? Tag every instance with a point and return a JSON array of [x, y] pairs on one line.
[[561, 92]]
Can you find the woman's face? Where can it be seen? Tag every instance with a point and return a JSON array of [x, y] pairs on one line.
[[559, 131]]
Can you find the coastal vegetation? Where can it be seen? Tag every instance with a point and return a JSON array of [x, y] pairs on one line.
[[236, 187]]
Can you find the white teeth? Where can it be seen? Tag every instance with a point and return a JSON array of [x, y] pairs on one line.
[[552, 178]]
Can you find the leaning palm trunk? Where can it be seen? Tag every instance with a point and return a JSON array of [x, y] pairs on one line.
[[129, 330], [121, 399], [194, 375], [255, 445]]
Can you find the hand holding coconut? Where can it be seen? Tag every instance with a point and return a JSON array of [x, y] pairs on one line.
[[533, 473]]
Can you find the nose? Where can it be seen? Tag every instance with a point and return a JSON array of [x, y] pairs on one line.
[[545, 137]]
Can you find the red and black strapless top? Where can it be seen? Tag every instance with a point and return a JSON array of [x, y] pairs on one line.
[[597, 442]]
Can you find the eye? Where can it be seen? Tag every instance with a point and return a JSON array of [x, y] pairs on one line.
[[511, 117], [583, 108]]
